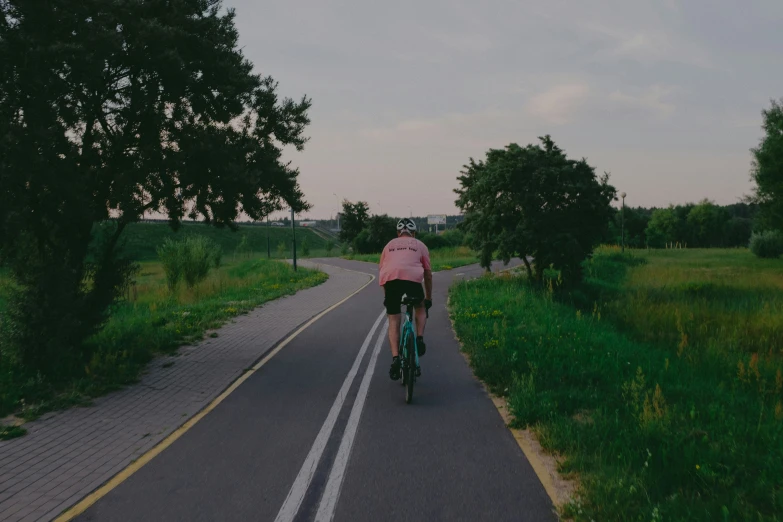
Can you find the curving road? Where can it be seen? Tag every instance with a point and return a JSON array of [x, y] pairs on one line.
[[320, 432]]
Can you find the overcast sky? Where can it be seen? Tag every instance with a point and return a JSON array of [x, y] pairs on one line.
[[665, 95]]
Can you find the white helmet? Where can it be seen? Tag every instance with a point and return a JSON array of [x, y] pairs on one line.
[[406, 225]]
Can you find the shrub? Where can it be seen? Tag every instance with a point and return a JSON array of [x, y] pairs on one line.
[[329, 247], [190, 258], [198, 259], [281, 249], [361, 243], [434, 241], [454, 237], [767, 244], [171, 254], [305, 247]]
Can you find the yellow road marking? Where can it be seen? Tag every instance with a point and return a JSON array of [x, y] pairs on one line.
[[136, 465]]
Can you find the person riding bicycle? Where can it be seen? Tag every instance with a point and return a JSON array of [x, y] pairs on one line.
[[405, 262]]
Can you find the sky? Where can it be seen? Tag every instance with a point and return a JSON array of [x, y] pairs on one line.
[[665, 95]]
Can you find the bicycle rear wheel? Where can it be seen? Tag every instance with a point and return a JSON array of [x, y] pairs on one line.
[[410, 365]]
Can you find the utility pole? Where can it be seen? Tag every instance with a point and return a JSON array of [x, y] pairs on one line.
[[293, 233], [268, 250], [622, 222]]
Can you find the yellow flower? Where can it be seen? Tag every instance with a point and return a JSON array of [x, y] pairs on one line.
[[698, 467]]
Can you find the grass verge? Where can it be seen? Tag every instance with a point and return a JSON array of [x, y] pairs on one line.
[[682, 424], [154, 322], [440, 258]]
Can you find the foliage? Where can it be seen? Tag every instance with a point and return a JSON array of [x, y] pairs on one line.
[[305, 247], [329, 247], [663, 227], [379, 230], [767, 244], [134, 109], [662, 392], [767, 168], [190, 259], [534, 201], [354, 219], [142, 239], [707, 223], [282, 248]]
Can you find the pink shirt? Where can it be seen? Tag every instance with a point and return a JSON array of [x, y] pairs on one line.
[[404, 258]]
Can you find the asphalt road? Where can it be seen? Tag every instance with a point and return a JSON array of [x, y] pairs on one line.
[[321, 433]]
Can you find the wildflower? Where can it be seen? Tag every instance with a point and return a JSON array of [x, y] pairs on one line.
[[698, 467]]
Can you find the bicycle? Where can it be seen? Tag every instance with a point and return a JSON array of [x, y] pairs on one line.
[[409, 351]]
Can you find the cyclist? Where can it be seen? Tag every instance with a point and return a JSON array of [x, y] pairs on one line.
[[405, 262]]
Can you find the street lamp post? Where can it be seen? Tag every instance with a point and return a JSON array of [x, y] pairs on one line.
[[268, 250], [293, 234], [338, 210], [622, 222]]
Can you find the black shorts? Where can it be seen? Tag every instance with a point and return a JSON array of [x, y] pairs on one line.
[[394, 291]]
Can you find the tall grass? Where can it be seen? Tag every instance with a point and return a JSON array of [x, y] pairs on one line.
[[157, 321], [662, 410]]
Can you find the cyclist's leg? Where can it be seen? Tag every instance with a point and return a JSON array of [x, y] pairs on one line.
[[417, 290], [392, 297], [395, 320]]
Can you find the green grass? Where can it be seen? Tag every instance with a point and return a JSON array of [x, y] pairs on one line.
[[11, 432], [142, 239], [659, 419], [155, 322], [440, 258]]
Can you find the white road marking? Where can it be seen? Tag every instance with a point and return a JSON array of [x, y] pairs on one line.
[[333, 485], [302, 482]]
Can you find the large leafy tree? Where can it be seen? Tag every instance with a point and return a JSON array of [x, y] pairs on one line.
[[767, 168], [354, 219], [109, 109], [534, 201]]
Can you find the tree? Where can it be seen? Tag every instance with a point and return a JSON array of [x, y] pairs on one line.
[[354, 219], [378, 231], [707, 223], [663, 227], [534, 201], [109, 109], [767, 169]]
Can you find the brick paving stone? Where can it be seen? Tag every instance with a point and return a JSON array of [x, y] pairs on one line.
[[66, 455]]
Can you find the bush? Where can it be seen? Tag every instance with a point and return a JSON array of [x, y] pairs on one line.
[[198, 259], [454, 237], [361, 243], [305, 247], [171, 254], [434, 241], [281, 248], [767, 244], [329, 247], [190, 258]]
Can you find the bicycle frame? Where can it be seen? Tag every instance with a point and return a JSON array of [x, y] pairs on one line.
[[408, 322]]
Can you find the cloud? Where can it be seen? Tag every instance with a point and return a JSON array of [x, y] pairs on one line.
[[559, 104], [651, 100]]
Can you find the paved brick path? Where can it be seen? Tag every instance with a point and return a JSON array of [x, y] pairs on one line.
[[67, 455]]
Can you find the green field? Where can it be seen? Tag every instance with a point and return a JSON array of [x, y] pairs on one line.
[[142, 239], [153, 321], [658, 381], [440, 258]]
